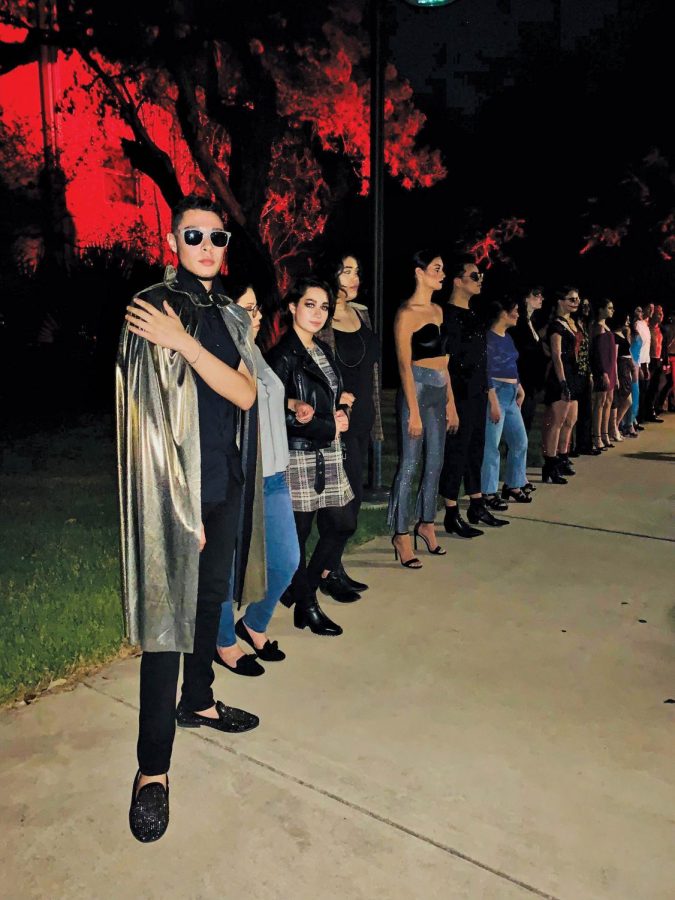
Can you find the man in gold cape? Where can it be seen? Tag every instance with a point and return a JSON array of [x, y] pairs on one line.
[[187, 452]]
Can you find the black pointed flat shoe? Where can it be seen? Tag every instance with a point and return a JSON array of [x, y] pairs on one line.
[[149, 810], [270, 652], [245, 665], [230, 719]]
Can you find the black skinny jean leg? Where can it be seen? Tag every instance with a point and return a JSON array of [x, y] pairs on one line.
[[458, 446], [336, 525], [215, 568], [157, 716], [300, 589], [476, 446], [356, 462]]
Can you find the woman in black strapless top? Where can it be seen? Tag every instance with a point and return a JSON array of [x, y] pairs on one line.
[[426, 409]]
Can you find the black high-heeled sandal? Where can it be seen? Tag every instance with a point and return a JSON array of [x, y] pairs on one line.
[[518, 495], [412, 563], [494, 501], [437, 551]]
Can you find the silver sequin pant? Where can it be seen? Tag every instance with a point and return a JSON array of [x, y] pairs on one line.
[[432, 395]]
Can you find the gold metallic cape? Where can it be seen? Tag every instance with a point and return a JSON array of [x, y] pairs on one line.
[[158, 460]]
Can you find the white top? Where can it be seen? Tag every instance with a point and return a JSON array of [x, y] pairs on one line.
[[643, 330], [272, 418]]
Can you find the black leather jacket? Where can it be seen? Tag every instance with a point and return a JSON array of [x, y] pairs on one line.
[[303, 380]]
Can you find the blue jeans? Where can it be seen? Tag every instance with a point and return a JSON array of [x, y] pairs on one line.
[[282, 557], [512, 429], [432, 395]]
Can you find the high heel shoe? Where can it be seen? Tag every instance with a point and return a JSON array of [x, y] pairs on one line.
[[494, 501], [518, 495], [437, 551], [550, 473], [412, 563], [606, 441]]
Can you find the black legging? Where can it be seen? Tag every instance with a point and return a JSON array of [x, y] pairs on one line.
[[336, 525], [356, 463]]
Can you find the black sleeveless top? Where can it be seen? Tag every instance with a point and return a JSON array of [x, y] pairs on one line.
[[429, 341]]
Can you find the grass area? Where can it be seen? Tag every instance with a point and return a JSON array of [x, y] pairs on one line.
[[60, 607], [59, 569]]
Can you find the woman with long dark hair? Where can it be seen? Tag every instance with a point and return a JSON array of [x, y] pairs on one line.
[[583, 443], [350, 336], [624, 384], [531, 359], [560, 395], [316, 475], [603, 362], [426, 408], [281, 542]]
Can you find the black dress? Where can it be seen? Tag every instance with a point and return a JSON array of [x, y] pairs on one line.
[[568, 356]]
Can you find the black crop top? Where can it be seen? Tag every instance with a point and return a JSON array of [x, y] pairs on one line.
[[429, 341]]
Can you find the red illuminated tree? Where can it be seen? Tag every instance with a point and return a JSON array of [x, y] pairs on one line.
[[273, 104]]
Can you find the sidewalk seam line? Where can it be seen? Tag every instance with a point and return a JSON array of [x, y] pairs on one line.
[[451, 851], [636, 534]]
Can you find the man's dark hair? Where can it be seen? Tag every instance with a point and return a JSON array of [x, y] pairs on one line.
[[298, 290], [457, 263], [236, 286], [193, 201]]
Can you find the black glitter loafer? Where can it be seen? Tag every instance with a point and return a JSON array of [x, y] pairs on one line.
[[229, 719], [270, 652], [149, 810]]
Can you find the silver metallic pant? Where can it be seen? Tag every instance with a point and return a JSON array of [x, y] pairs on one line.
[[431, 389]]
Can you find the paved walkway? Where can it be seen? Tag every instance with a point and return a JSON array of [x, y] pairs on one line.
[[491, 727]]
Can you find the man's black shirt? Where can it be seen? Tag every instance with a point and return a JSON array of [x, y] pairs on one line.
[[218, 417]]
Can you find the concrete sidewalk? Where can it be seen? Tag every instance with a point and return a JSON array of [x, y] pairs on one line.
[[492, 726]]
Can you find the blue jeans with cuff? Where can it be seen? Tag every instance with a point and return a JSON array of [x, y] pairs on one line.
[[512, 429], [282, 557]]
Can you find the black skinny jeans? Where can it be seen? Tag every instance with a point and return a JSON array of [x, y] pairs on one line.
[[463, 456], [336, 525], [655, 372], [159, 671]]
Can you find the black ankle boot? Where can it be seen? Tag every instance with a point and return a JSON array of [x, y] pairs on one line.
[[314, 618], [455, 524], [351, 583], [564, 466], [333, 586], [550, 473], [479, 514]]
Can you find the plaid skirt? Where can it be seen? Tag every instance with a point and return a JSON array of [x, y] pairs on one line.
[[301, 476]]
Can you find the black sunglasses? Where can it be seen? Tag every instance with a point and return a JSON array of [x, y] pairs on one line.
[[476, 276], [193, 237]]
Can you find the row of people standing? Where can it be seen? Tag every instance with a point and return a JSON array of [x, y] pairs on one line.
[[460, 395], [226, 458]]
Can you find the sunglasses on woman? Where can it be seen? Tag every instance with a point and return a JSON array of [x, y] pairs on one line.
[[475, 276], [193, 237]]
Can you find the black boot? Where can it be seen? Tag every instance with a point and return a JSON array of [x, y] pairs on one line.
[[333, 586], [455, 524], [479, 514], [351, 583], [549, 471], [314, 618], [564, 466]]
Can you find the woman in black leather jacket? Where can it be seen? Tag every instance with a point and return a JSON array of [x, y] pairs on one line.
[[316, 474]]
